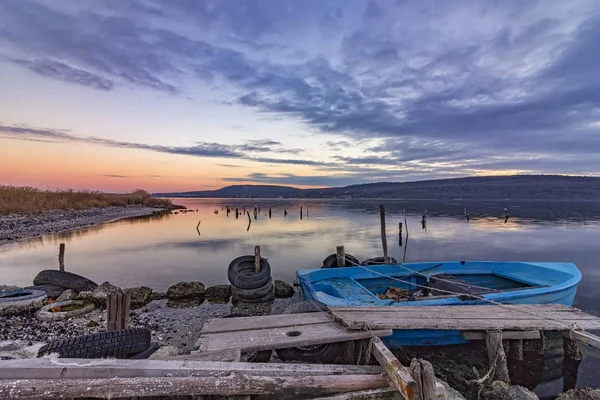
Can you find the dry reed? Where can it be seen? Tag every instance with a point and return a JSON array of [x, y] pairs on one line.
[[26, 199]]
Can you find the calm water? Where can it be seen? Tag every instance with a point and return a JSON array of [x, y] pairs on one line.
[[159, 251]]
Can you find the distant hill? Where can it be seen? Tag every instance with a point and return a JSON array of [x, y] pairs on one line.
[[542, 187]]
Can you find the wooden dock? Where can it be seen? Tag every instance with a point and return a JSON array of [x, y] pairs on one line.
[[229, 339]]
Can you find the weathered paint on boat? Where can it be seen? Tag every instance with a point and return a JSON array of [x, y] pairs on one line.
[[510, 283]]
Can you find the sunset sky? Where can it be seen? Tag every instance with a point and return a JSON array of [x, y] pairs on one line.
[[174, 95]]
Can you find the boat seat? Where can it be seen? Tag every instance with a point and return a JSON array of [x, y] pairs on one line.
[[444, 284], [353, 291]]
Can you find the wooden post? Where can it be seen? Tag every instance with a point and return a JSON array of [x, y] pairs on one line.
[[284, 212], [400, 228], [386, 258], [257, 259], [118, 306], [61, 257], [307, 212], [269, 212], [340, 251], [570, 363], [496, 355]]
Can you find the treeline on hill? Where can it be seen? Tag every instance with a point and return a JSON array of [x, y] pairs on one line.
[[26, 199], [542, 187]]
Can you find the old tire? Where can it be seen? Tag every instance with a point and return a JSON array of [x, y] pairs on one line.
[[241, 273], [44, 313], [53, 291], [120, 343], [378, 261], [252, 293], [142, 355], [257, 356], [65, 279], [329, 353], [22, 300], [270, 296], [331, 261]]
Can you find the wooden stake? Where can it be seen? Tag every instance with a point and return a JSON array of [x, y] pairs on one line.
[[386, 258], [496, 355], [111, 312], [257, 259], [400, 376], [340, 251], [400, 228], [61, 257], [300, 212]]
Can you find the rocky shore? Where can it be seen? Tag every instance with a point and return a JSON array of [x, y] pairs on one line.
[[17, 227]]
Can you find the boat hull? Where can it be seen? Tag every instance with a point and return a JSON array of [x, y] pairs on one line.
[[560, 288]]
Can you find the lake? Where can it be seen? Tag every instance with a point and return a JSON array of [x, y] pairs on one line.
[[159, 251]]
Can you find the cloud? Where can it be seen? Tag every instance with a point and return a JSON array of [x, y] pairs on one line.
[[445, 89], [66, 73], [199, 149]]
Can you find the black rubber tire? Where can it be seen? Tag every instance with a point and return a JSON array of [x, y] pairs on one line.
[[331, 261], [253, 293], [120, 343], [241, 273], [270, 296], [65, 279], [378, 261], [258, 356], [330, 353], [52, 291], [142, 355]]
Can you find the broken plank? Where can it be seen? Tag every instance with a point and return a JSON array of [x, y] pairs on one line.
[[282, 338], [390, 393], [506, 335], [69, 368], [263, 322], [232, 385], [583, 337], [400, 376]]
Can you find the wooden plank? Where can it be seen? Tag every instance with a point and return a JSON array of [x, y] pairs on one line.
[[232, 385], [281, 338], [389, 393], [506, 335], [583, 337], [67, 368], [264, 322], [400, 376], [217, 355], [125, 310]]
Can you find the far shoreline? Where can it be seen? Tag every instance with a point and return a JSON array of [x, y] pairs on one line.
[[20, 227]]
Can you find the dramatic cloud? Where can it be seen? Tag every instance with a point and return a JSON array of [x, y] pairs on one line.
[[446, 88]]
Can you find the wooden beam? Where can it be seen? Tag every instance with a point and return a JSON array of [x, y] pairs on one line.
[[400, 376], [66, 368], [218, 325], [282, 338], [232, 385], [583, 337], [506, 335], [61, 257], [389, 393]]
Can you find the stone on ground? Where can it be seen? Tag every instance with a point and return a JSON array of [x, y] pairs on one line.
[[497, 390], [164, 352], [140, 296], [219, 293], [186, 290], [283, 289], [99, 295], [16, 349], [516, 392]]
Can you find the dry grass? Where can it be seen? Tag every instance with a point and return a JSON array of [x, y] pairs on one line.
[[26, 199]]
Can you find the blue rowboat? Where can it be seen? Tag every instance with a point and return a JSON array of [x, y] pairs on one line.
[[440, 284]]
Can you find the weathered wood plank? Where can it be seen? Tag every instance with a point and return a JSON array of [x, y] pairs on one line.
[[583, 337], [230, 355], [264, 322], [428, 383], [111, 312], [506, 335], [66, 368], [389, 393], [415, 368], [281, 338], [232, 385], [400, 376]]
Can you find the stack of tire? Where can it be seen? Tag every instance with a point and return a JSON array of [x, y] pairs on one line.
[[252, 293]]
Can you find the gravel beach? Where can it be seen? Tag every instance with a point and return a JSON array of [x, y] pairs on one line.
[[18, 227]]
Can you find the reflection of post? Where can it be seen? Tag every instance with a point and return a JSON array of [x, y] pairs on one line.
[[198, 228], [306, 212], [237, 213], [400, 240], [269, 212], [506, 215], [249, 221], [300, 212], [284, 213], [424, 221], [340, 252], [61, 257], [257, 259], [255, 213], [383, 233]]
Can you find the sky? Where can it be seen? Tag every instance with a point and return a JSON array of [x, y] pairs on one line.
[[177, 95]]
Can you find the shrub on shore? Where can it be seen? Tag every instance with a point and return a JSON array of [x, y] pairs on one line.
[[27, 199]]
